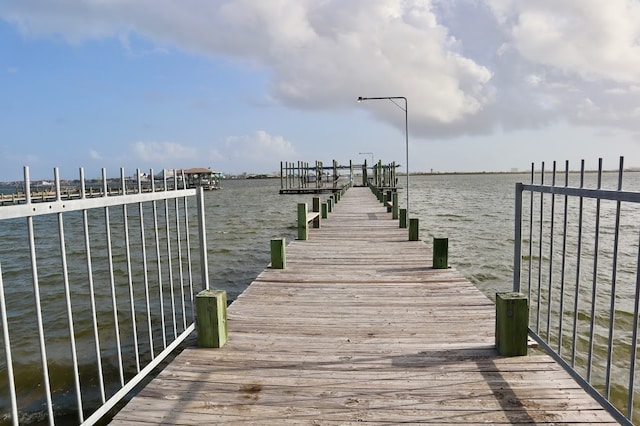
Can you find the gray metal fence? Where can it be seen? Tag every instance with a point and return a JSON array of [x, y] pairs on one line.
[[96, 290], [576, 256]]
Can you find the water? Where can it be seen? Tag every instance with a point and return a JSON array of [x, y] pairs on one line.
[[475, 212]]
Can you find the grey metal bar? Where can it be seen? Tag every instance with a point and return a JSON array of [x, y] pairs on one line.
[[582, 382], [127, 247], [188, 246], [578, 262], [551, 229], [179, 244], [154, 207], [634, 338], [36, 290], [614, 268], [202, 232], [596, 194], [18, 211], [7, 353], [517, 246], [169, 255], [530, 231], [594, 284], [121, 393], [112, 283], [540, 253], [92, 297], [564, 260], [67, 298], [145, 271]]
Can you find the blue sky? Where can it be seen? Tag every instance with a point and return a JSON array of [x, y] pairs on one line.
[[241, 85]]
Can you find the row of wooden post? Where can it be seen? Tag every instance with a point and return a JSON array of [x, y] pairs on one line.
[[320, 211], [512, 308]]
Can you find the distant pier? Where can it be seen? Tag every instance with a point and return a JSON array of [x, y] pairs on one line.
[[303, 178]]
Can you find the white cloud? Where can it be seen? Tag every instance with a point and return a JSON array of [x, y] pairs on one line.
[[164, 153], [258, 151], [94, 155], [321, 54], [587, 38], [465, 67]]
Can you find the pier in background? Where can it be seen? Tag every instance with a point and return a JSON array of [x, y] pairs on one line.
[[304, 178]]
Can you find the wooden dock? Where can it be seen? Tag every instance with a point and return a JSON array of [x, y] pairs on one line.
[[360, 328]]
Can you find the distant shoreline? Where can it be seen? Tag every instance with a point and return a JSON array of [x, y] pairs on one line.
[[399, 173]]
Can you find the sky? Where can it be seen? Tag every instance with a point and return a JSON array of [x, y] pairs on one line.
[[241, 85]]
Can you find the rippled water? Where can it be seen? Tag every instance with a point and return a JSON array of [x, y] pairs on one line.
[[474, 211]]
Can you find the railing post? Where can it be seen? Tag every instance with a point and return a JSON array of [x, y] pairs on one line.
[[303, 226], [413, 229], [202, 233], [517, 239], [278, 255], [7, 352]]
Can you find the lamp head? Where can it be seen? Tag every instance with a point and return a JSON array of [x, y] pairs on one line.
[[360, 99]]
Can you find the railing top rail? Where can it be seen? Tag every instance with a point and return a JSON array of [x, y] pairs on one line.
[[43, 208], [80, 201], [603, 194]]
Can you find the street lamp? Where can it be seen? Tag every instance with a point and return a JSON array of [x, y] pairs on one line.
[[406, 131]]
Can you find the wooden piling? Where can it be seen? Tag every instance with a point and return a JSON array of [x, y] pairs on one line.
[[278, 255], [413, 229], [316, 209], [303, 226], [394, 207], [440, 253], [211, 318], [325, 210], [512, 323], [403, 218]]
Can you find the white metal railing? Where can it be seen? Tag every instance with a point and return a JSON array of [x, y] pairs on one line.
[[576, 256], [111, 296]]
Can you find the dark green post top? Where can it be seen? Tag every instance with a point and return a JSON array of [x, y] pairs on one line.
[[512, 323]]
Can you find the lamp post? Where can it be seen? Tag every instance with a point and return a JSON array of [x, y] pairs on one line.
[[406, 131]]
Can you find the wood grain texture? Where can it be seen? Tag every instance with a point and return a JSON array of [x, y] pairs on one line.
[[359, 328]]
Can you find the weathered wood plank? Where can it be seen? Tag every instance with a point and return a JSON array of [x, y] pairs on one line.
[[360, 328]]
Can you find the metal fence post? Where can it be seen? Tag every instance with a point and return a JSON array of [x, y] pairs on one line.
[[517, 239], [202, 233]]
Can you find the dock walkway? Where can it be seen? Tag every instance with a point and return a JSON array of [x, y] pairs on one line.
[[359, 328]]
